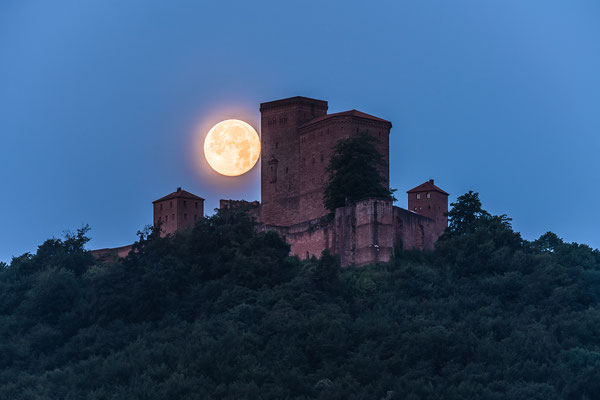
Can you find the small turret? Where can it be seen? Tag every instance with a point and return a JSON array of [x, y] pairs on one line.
[[178, 210], [430, 201]]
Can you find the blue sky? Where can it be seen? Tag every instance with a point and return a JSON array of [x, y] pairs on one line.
[[99, 102]]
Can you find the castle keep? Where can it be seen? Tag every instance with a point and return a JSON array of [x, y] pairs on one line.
[[297, 138], [297, 141]]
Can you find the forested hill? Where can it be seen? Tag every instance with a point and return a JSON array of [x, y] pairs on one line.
[[221, 312]]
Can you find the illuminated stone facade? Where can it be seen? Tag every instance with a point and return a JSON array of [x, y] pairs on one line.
[[297, 137], [176, 211]]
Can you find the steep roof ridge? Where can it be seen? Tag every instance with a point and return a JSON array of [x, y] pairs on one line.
[[179, 193], [349, 113], [427, 187]]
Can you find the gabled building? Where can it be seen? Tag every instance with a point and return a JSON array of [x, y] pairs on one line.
[[178, 210]]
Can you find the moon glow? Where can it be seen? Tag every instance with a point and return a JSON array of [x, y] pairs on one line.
[[232, 147]]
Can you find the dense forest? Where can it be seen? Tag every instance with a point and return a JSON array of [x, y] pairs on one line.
[[222, 312]]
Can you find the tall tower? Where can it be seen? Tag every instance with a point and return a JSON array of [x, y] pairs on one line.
[[430, 201], [280, 161], [178, 210]]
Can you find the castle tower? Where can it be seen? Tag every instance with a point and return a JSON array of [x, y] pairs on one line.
[[318, 138], [280, 161], [298, 137], [178, 210], [430, 201]]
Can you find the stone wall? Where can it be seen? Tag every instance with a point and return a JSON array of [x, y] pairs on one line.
[[306, 239], [106, 255], [280, 157], [252, 207], [414, 231], [317, 142], [362, 233]]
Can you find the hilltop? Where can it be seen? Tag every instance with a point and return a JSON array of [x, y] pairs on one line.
[[223, 312]]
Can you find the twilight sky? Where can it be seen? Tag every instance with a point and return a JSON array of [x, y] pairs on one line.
[[99, 102]]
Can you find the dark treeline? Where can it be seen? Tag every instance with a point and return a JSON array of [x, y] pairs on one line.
[[221, 312]]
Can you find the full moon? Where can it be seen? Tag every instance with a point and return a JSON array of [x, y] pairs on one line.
[[232, 147]]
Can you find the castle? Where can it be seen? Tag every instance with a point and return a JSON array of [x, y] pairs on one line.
[[297, 140]]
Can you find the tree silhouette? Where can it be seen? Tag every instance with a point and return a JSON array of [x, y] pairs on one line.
[[354, 173]]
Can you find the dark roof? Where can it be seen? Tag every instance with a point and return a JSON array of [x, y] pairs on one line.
[[293, 100], [427, 187], [179, 194], [343, 114]]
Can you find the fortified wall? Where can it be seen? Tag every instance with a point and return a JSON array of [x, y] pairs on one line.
[[366, 232], [297, 138]]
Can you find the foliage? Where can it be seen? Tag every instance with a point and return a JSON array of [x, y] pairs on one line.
[[221, 312], [354, 172]]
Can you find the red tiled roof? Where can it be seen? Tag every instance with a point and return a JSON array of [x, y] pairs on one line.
[[179, 194], [349, 113], [427, 187]]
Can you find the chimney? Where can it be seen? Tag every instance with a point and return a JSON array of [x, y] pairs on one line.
[[431, 181], [179, 189]]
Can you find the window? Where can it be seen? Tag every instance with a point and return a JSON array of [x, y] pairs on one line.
[[321, 157], [171, 203], [276, 145], [195, 217], [184, 204], [173, 217], [418, 196], [166, 218], [184, 216], [161, 207], [428, 195], [286, 170], [196, 205]]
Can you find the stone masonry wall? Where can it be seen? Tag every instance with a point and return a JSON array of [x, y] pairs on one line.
[[362, 233], [414, 231]]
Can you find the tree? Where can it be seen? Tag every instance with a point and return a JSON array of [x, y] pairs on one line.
[[68, 253], [353, 172], [465, 212], [548, 243]]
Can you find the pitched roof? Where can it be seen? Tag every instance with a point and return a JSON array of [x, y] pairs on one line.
[[427, 187], [179, 194], [349, 113]]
